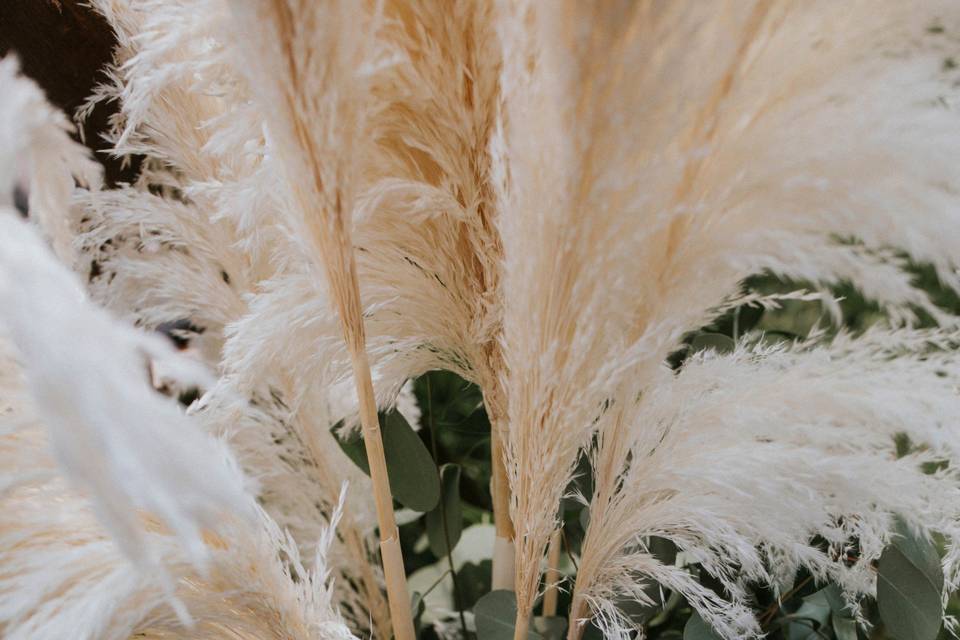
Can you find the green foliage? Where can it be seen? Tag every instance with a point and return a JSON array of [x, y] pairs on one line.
[[808, 622], [909, 588], [445, 522], [414, 480], [697, 629]]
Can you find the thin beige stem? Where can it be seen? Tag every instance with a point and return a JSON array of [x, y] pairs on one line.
[[319, 165], [375, 604], [503, 553], [552, 580], [578, 609], [398, 595], [521, 631]]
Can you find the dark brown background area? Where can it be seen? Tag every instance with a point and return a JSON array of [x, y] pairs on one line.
[[64, 46]]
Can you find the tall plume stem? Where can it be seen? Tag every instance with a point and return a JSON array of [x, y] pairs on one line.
[[551, 589], [397, 593], [503, 552], [311, 61]]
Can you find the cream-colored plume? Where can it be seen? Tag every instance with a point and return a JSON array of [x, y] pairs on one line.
[[651, 162], [199, 242], [64, 577]]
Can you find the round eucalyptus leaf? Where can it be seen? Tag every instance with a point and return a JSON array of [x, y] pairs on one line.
[[844, 628], [813, 615], [414, 479], [909, 587]]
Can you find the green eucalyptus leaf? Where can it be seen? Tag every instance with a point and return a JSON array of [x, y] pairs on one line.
[[448, 512], [812, 616], [496, 616], [414, 479], [352, 445], [909, 587], [844, 628], [835, 598], [713, 342], [698, 629]]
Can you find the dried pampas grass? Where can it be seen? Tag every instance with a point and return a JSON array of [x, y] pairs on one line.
[[638, 205], [134, 506], [337, 197], [252, 586]]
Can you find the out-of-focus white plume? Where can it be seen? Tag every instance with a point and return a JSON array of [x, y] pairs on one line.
[[63, 576], [130, 448], [39, 158]]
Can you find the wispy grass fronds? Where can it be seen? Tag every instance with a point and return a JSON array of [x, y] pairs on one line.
[[427, 254], [116, 438], [40, 161], [64, 576], [311, 63], [819, 425], [200, 242], [653, 161]]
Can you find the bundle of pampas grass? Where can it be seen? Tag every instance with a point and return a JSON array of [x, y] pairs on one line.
[[544, 198]]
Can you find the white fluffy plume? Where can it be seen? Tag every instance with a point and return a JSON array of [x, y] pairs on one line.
[[204, 241], [99, 469], [64, 577], [227, 255], [39, 158], [89, 376]]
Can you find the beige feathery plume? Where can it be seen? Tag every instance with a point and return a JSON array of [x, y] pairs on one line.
[[63, 577], [554, 256], [652, 161], [429, 226], [199, 256], [428, 252], [311, 62]]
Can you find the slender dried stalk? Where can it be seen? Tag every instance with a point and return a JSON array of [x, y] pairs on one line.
[[174, 91], [503, 551], [309, 58], [552, 591]]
